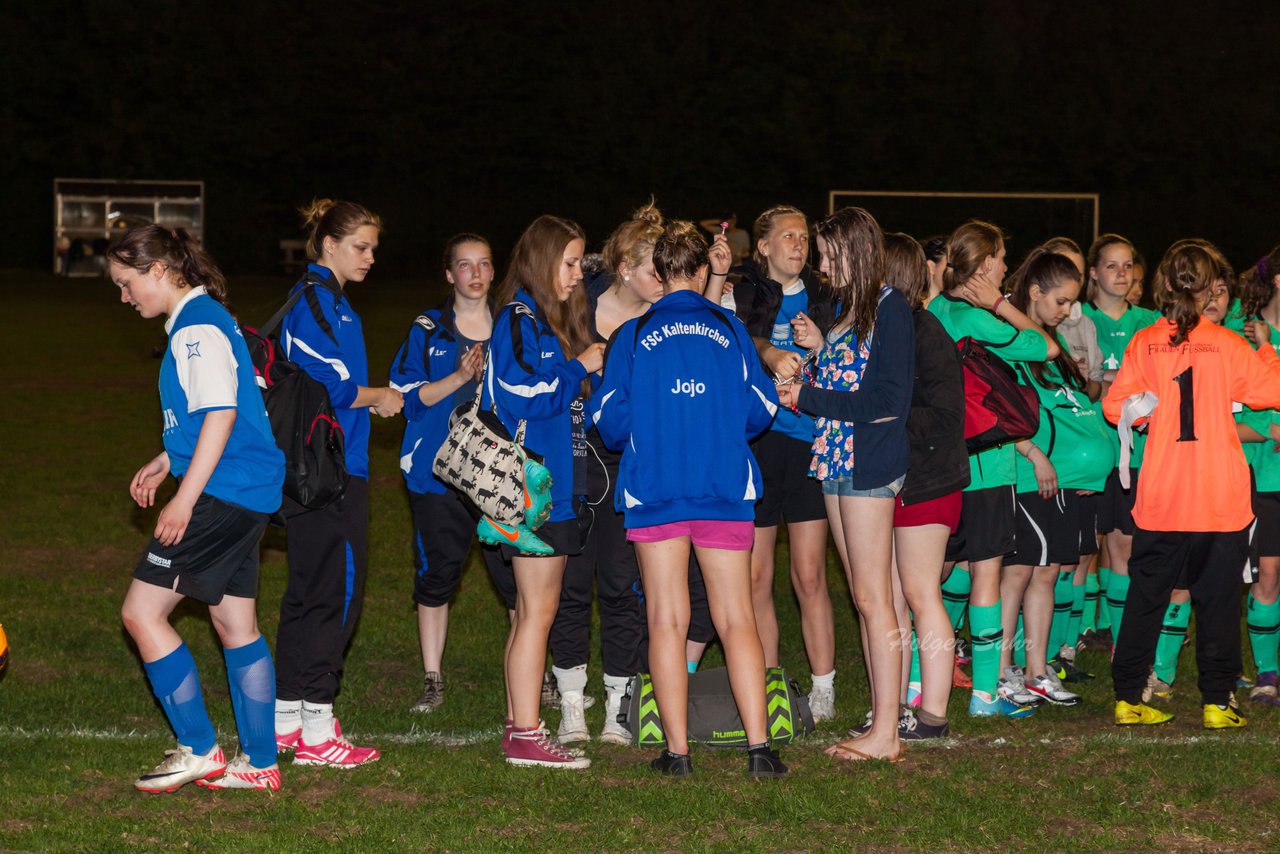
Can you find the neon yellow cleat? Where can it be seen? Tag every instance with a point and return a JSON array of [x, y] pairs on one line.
[[1222, 717], [1139, 714]]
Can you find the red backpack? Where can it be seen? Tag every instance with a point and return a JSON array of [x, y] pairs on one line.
[[997, 408]]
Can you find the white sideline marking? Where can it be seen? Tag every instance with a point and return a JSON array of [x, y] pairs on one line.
[[413, 736], [465, 739]]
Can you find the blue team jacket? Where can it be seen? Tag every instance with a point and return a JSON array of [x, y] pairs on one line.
[[428, 354], [530, 377], [683, 393], [322, 334]]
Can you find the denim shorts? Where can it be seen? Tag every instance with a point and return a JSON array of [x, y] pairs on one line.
[[843, 487]]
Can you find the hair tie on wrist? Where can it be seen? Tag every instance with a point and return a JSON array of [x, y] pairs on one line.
[[995, 308], [725, 273]]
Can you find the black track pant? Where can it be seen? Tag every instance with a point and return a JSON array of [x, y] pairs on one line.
[[607, 562], [1210, 565], [443, 529], [321, 604]]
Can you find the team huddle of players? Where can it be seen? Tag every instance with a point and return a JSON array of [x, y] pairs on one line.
[[836, 400]]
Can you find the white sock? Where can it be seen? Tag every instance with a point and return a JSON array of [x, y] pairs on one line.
[[317, 722], [828, 681], [614, 688], [571, 679], [288, 716]]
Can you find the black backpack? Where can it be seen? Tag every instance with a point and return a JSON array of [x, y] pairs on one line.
[[302, 418]]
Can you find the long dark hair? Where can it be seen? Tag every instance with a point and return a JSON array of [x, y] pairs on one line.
[[1050, 271], [177, 249], [855, 253], [535, 267]]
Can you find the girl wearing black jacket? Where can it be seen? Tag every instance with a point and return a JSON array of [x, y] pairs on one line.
[[928, 507]]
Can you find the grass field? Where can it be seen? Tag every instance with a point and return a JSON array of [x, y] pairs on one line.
[[77, 721]]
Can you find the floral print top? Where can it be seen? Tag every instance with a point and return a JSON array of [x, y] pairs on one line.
[[840, 365]]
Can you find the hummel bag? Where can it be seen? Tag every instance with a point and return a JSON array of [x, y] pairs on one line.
[[713, 714]]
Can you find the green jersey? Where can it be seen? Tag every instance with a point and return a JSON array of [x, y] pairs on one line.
[[994, 466], [1113, 338], [1073, 433], [1263, 457]]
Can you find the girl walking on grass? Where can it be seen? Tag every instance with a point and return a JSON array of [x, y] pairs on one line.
[[218, 444]]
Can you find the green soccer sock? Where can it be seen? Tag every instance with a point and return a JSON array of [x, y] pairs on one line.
[[1079, 592], [1092, 593], [1062, 591], [1117, 592], [1169, 644], [955, 595], [1264, 633], [1103, 621], [984, 625], [1020, 646], [914, 676]]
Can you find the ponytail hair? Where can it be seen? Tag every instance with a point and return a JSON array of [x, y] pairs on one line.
[[855, 259], [1050, 270], [328, 218], [632, 242], [452, 244], [1185, 277], [1258, 284], [175, 248], [680, 252], [967, 247]]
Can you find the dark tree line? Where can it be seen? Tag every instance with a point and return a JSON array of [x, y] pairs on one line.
[[446, 117]]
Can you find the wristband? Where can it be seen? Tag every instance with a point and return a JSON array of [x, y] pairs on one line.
[[995, 308], [725, 273]]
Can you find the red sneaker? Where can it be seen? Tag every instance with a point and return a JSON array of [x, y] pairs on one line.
[[960, 679], [337, 752], [288, 740], [534, 746]]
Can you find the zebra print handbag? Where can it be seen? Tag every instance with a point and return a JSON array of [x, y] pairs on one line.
[[481, 460]]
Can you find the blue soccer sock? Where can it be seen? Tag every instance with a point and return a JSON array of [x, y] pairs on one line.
[[252, 677], [176, 684]]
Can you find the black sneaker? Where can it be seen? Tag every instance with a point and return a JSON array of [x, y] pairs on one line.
[[764, 762], [674, 764], [911, 728], [1068, 672]]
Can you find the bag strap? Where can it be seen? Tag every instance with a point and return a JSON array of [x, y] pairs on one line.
[[309, 281], [520, 426]]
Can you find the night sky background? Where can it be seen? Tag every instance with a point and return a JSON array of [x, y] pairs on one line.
[[479, 117]]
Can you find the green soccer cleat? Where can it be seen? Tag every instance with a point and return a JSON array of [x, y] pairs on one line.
[[519, 537], [537, 494]]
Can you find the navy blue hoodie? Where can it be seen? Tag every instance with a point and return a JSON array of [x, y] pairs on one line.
[[683, 393]]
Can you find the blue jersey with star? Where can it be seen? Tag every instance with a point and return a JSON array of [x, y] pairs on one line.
[[206, 367]]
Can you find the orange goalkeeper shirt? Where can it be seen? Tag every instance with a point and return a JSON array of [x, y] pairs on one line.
[[1195, 477]]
